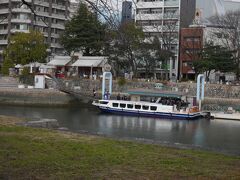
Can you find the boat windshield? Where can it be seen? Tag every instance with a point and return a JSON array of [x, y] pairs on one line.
[[103, 102]]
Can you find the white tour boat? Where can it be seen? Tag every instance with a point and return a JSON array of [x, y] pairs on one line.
[[156, 109]]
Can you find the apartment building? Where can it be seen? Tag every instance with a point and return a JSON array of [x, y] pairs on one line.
[[164, 19], [17, 17]]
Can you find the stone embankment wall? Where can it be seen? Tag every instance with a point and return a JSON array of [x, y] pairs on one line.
[[35, 97], [211, 90]]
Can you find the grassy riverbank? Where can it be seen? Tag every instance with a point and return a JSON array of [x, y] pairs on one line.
[[27, 153]]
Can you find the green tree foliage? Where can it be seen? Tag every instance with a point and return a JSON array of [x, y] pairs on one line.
[[215, 58], [85, 32], [25, 48], [6, 65]]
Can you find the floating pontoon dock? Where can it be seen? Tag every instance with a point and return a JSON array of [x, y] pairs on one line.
[[219, 115]]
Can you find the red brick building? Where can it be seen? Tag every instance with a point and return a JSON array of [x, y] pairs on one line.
[[191, 43]]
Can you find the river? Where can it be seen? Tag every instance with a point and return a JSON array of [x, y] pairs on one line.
[[216, 135]]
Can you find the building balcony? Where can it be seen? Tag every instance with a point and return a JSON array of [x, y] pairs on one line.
[[21, 10], [4, 1], [44, 14], [171, 3], [55, 35], [152, 28], [3, 42], [41, 3], [59, 16], [141, 4], [26, 21], [19, 30], [5, 21], [149, 17], [58, 26], [41, 23], [45, 34], [5, 31], [57, 6], [171, 16], [56, 45], [4, 11], [21, 1]]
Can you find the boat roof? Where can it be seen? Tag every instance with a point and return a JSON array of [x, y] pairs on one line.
[[155, 93]]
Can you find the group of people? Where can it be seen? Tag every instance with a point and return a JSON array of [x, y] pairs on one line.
[[119, 97], [106, 95], [173, 101]]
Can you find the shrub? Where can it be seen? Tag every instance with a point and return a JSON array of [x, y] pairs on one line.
[[5, 67], [26, 78], [121, 81]]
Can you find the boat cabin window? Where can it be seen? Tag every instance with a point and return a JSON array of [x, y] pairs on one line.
[[137, 106], [122, 105], [153, 108], [145, 107], [115, 104], [103, 102], [130, 106]]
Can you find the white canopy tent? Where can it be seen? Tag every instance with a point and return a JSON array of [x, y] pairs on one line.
[[90, 61], [60, 61]]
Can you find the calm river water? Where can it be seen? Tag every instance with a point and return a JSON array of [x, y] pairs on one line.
[[217, 135]]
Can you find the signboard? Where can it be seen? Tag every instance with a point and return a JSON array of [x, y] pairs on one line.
[[107, 68]]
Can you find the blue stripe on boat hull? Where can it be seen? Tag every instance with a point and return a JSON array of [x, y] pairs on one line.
[[151, 114]]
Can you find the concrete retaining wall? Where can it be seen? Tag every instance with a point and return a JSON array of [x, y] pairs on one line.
[[34, 97]]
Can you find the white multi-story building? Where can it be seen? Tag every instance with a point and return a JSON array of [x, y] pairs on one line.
[[163, 19], [17, 17]]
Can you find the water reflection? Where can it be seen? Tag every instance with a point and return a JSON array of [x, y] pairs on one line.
[[214, 134]]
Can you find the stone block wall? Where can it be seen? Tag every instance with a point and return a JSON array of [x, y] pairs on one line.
[[211, 90]]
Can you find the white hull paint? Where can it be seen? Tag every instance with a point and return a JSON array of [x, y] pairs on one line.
[[141, 108]]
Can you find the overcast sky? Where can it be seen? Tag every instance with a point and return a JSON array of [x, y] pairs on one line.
[[208, 6]]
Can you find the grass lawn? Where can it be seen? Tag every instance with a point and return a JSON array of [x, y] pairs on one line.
[[29, 153]]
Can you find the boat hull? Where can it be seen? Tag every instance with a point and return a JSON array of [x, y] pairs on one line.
[[151, 114]]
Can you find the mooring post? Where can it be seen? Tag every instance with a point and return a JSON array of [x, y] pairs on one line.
[[200, 89]]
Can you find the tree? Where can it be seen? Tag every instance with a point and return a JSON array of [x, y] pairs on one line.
[[84, 32], [214, 58], [166, 31], [124, 45], [228, 33], [25, 48]]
